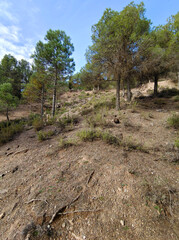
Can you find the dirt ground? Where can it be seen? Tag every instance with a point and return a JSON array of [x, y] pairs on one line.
[[93, 190]]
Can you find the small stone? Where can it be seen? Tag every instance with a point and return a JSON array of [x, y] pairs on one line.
[[116, 120], [2, 215], [63, 225], [122, 222]]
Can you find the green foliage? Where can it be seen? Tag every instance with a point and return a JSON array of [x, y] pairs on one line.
[[173, 121], [96, 119], [7, 99], [177, 143], [8, 130], [91, 135], [67, 143], [131, 144], [41, 135], [38, 123]]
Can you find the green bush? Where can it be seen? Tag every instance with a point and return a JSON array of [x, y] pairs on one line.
[[88, 135], [41, 135], [176, 143], [38, 123], [91, 135], [173, 121], [96, 120], [66, 143], [7, 132]]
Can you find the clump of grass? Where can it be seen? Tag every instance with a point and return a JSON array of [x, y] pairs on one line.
[[91, 135], [41, 135], [8, 131], [110, 139], [96, 119], [67, 143], [38, 123], [88, 135], [67, 120], [131, 144], [31, 118], [176, 143], [173, 121], [175, 98]]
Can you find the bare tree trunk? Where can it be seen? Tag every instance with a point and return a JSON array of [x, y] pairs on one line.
[[118, 93], [42, 102], [155, 85], [54, 94], [129, 94], [7, 114]]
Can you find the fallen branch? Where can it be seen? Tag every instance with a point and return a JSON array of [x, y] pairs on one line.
[[62, 209], [79, 211], [21, 151], [90, 177], [34, 200]]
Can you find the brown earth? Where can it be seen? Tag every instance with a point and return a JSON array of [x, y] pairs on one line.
[[94, 190]]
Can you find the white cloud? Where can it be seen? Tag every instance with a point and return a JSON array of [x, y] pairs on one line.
[[19, 51], [10, 33], [5, 11]]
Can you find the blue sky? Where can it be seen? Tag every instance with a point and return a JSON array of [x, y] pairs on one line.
[[24, 22]]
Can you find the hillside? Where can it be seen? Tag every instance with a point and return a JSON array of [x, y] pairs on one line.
[[91, 178]]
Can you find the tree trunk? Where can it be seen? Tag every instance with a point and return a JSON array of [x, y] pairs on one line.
[[155, 85], [54, 94], [129, 94], [178, 79], [7, 114], [42, 102], [118, 93]]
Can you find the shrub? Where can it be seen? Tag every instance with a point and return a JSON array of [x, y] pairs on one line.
[[176, 143], [66, 143], [91, 135], [110, 139], [44, 135], [173, 121], [131, 144], [96, 120], [38, 123], [7, 132], [88, 135]]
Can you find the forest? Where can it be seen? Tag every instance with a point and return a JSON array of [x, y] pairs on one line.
[[126, 52]]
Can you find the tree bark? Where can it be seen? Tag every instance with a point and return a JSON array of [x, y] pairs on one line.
[[54, 93], [155, 85], [42, 101], [129, 94], [7, 114], [118, 93]]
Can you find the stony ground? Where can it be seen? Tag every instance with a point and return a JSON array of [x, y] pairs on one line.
[[94, 190]]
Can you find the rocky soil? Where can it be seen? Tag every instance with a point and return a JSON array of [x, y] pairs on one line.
[[94, 190]]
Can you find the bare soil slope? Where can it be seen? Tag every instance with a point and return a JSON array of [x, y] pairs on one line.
[[94, 190]]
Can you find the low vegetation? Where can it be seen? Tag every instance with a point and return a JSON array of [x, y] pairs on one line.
[[41, 135], [173, 121], [8, 130]]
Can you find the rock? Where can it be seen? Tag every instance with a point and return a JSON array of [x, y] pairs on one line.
[[63, 225], [122, 222], [3, 191], [2, 215], [15, 169], [116, 120]]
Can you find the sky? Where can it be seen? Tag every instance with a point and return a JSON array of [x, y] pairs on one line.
[[24, 22]]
